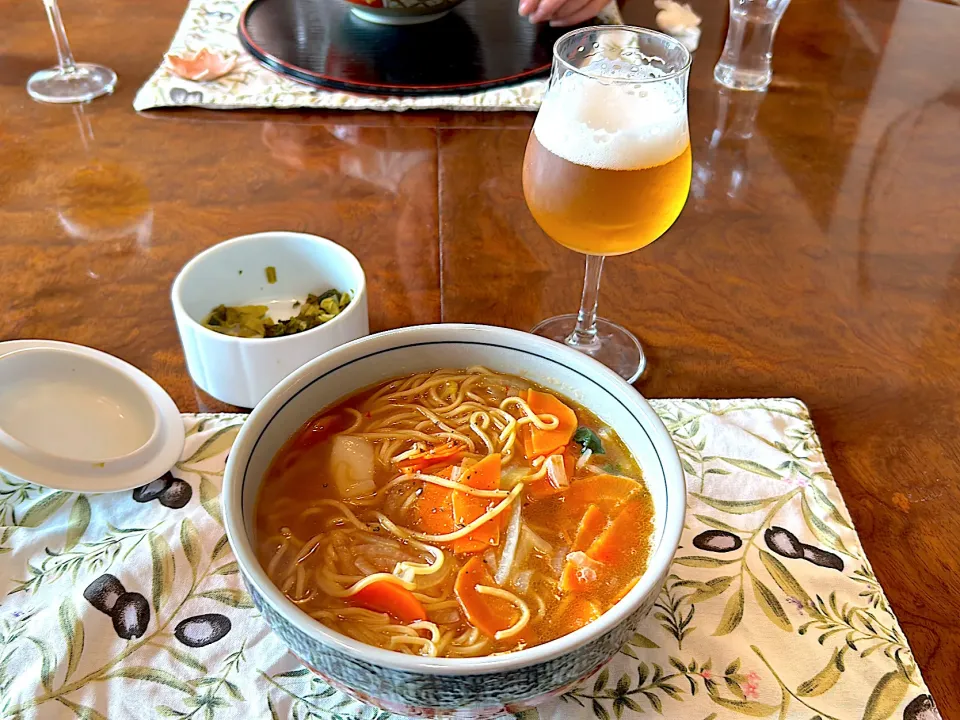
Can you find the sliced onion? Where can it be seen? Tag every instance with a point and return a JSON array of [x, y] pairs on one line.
[[522, 581], [559, 557], [491, 561], [509, 552], [557, 472], [583, 459], [538, 543]]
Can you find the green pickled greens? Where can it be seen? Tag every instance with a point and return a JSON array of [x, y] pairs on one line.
[[251, 321]]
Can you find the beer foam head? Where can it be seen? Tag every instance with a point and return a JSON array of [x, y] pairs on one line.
[[614, 126]]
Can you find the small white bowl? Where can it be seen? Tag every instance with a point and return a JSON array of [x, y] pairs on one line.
[[240, 371], [74, 418]]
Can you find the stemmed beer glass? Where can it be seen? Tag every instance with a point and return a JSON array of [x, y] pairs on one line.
[[69, 81], [607, 166]]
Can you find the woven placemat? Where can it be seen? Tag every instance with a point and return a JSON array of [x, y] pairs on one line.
[[213, 24], [752, 632]]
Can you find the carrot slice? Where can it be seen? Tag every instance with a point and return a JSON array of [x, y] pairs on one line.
[[488, 614], [544, 488], [435, 506], [581, 612], [545, 442], [623, 537], [385, 596], [607, 492], [485, 475], [591, 525], [434, 456]]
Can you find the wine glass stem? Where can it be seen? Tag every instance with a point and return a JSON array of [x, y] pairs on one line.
[[59, 36], [584, 335]]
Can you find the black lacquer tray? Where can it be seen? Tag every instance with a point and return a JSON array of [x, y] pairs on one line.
[[480, 44]]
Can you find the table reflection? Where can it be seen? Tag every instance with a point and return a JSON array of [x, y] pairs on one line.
[[721, 167], [101, 199], [375, 176]]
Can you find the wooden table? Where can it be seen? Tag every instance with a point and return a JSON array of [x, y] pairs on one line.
[[817, 256]]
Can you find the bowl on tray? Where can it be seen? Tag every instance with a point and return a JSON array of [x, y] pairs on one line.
[[444, 686], [273, 269], [401, 12]]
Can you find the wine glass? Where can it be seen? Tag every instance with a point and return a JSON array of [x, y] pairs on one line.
[[70, 81], [607, 166]]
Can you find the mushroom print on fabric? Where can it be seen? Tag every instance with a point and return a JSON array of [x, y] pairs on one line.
[[170, 492], [785, 544], [202, 630], [129, 611]]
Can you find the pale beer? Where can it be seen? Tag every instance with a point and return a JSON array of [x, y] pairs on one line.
[[607, 168]]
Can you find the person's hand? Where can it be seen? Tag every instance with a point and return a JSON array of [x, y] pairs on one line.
[[560, 13]]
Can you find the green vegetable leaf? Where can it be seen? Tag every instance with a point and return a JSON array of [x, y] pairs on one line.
[[79, 520], [732, 614], [886, 696], [588, 440], [72, 629], [164, 569]]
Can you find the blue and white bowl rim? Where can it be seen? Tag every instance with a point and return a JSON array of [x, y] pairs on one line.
[[457, 334]]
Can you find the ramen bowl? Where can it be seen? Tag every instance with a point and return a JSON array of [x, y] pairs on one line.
[[401, 12], [476, 687]]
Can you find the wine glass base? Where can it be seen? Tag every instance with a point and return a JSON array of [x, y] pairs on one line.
[[82, 83], [615, 346]]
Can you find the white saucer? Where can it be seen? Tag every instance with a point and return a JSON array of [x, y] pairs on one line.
[[74, 418]]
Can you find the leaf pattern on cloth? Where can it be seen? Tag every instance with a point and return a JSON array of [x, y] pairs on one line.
[[755, 619], [213, 24]]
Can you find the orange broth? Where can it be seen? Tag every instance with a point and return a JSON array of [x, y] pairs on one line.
[[578, 545]]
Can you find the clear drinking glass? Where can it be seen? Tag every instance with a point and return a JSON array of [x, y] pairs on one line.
[[607, 166], [745, 61], [70, 81]]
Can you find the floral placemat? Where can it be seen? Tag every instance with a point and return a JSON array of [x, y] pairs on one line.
[[129, 605], [213, 24]]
